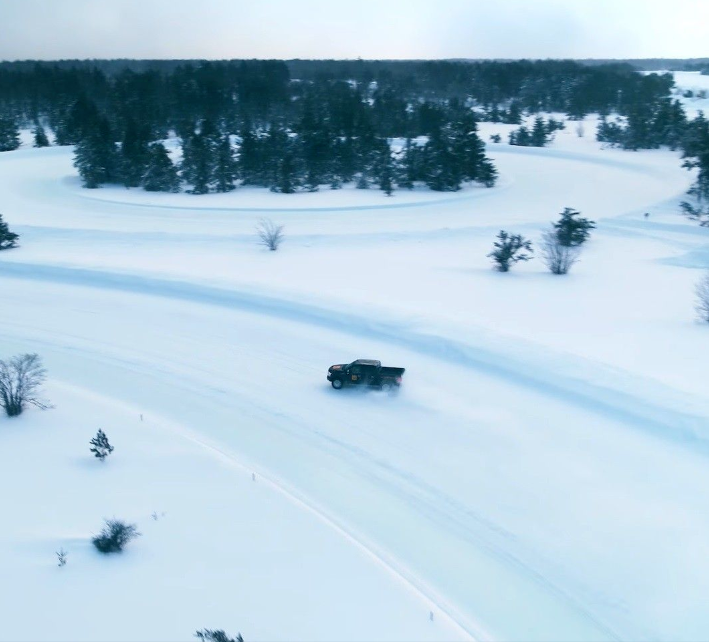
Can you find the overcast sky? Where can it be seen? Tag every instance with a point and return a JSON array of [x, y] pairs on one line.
[[52, 29]]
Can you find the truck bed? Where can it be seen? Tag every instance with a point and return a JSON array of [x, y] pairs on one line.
[[391, 371]]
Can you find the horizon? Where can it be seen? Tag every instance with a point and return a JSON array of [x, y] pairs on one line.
[[690, 59]]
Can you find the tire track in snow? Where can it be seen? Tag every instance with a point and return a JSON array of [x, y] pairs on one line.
[[671, 415], [407, 488]]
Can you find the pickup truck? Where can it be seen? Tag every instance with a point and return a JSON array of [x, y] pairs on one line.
[[365, 372]]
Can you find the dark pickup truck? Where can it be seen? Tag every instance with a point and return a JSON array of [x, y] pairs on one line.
[[365, 372]]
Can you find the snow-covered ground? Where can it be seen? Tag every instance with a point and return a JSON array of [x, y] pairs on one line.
[[541, 475]]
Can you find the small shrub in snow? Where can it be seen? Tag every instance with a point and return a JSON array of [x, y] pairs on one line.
[[509, 249], [7, 239], [703, 298], [558, 257], [495, 138], [270, 234], [216, 635], [115, 536], [100, 446], [573, 229], [21, 378], [61, 558]]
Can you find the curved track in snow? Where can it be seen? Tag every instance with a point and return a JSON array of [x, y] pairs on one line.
[[523, 490]]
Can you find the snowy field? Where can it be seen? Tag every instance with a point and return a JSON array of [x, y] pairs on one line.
[[541, 475]]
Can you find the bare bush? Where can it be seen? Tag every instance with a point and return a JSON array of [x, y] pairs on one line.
[[61, 557], [558, 257], [269, 234], [21, 378], [703, 298], [115, 536]]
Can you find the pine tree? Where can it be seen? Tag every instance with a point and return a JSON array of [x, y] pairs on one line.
[[520, 136], [695, 146], [572, 229], [469, 150], [96, 156], [287, 179], [514, 114], [442, 167], [160, 174], [9, 135], [509, 249], [100, 446], [487, 173], [40, 137], [540, 134], [281, 162], [408, 165], [197, 163], [81, 119], [384, 168], [317, 151], [344, 156], [250, 159], [224, 171], [133, 155], [7, 239]]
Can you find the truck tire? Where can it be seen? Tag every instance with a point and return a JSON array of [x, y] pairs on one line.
[[337, 384], [387, 387]]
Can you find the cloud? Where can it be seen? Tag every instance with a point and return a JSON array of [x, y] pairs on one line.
[[48, 29]]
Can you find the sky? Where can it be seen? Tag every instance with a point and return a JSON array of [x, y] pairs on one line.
[[217, 29]]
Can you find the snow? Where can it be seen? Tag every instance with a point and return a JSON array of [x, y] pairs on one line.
[[214, 543], [541, 475]]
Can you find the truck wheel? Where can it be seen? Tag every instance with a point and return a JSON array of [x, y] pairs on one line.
[[387, 388], [336, 384]]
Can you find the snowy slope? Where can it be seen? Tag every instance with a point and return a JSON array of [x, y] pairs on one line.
[[542, 474]]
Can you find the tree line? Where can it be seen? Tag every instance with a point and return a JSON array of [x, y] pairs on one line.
[[291, 125], [283, 160]]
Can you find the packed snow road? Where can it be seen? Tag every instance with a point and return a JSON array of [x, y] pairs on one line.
[[528, 488]]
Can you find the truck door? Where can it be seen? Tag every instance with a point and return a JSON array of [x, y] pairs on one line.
[[355, 373]]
